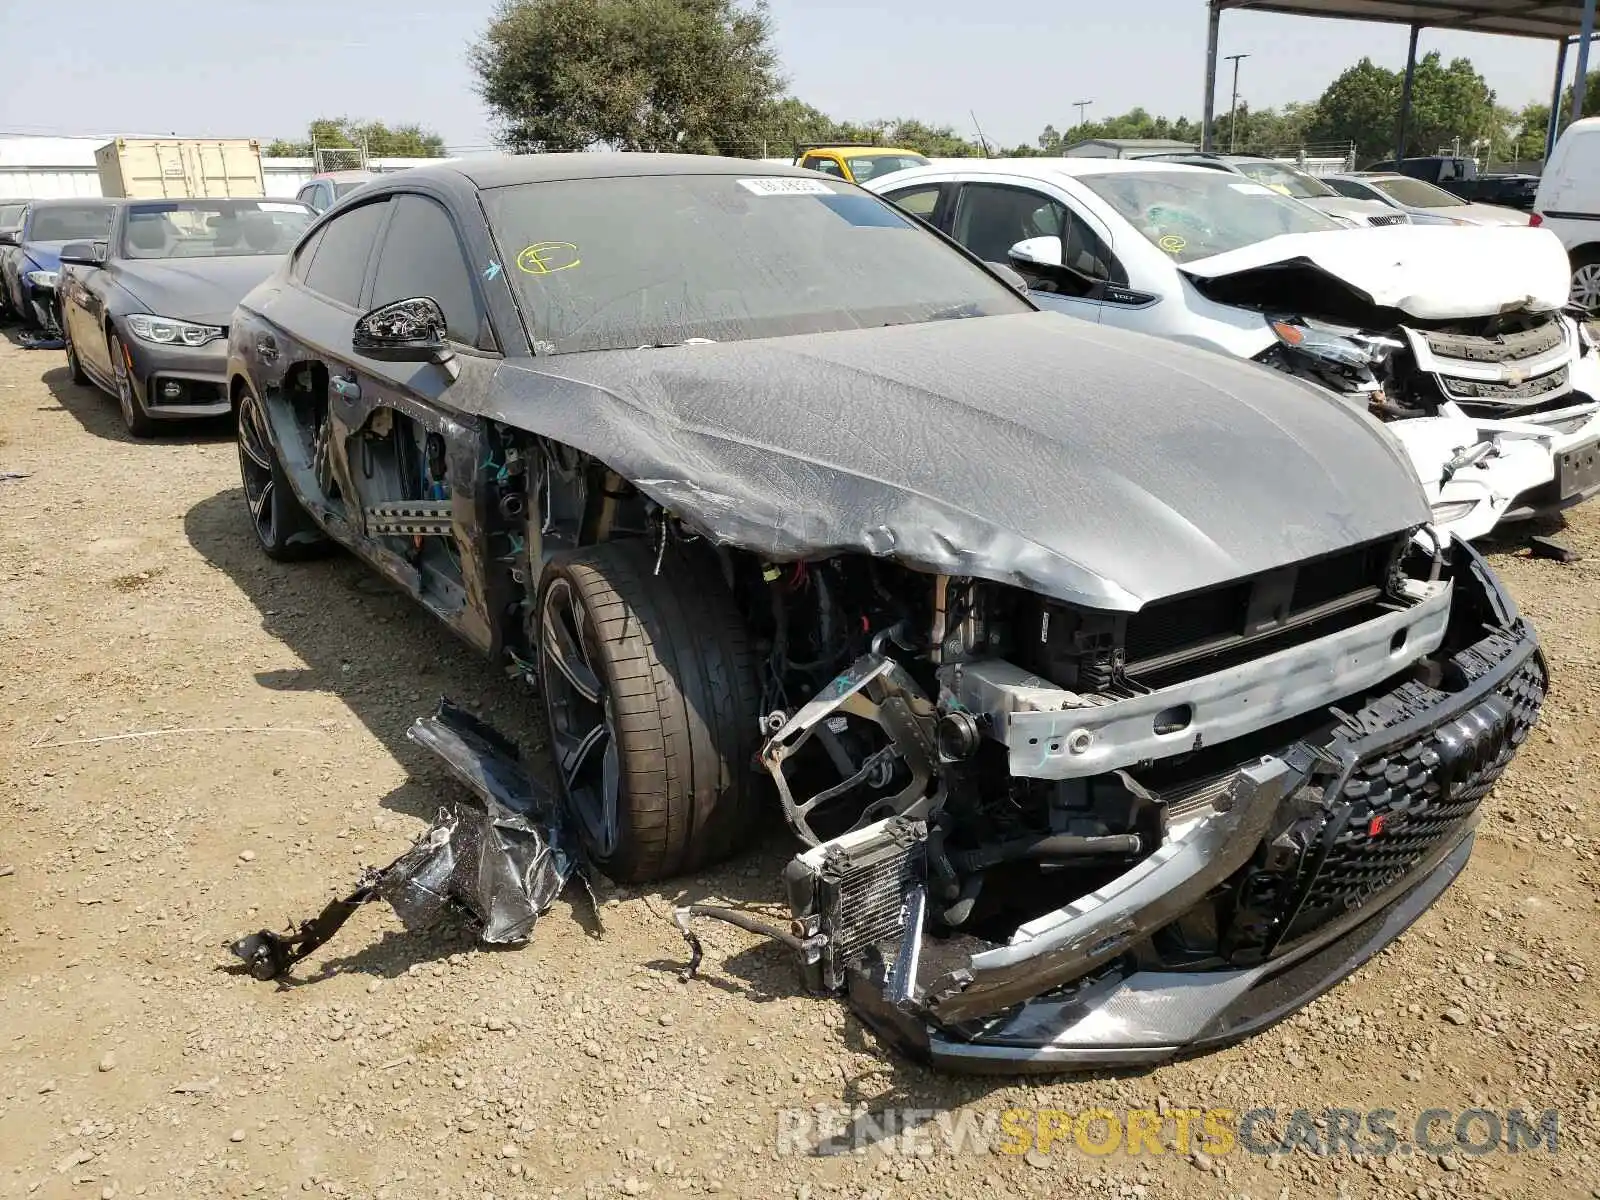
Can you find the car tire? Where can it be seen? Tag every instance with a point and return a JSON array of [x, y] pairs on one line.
[[672, 728], [283, 528], [139, 422], [1585, 290], [74, 367]]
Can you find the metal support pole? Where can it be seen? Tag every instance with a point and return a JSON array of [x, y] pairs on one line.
[[1213, 19], [1233, 107], [1585, 36], [1405, 94], [1553, 128]]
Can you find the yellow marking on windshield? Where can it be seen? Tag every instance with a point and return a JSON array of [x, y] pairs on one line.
[[1173, 244], [542, 258]]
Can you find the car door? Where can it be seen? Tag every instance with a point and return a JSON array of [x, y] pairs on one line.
[[422, 252], [989, 218], [83, 308]]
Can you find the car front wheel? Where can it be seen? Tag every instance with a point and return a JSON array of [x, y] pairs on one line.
[[283, 528], [134, 416], [649, 688]]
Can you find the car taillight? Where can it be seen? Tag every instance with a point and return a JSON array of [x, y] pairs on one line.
[[1536, 219]]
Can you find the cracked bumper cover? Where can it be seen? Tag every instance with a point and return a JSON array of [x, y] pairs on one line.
[[1064, 993]]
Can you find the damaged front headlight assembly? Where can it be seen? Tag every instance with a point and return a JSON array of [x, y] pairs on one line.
[[1336, 345], [43, 279]]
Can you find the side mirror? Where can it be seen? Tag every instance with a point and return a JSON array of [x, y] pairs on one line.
[[82, 254], [405, 331], [1037, 252], [1009, 274], [10, 237]]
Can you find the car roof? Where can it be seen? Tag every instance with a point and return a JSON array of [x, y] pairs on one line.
[[506, 170], [75, 202], [337, 175], [863, 151], [1368, 176], [1044, 168]]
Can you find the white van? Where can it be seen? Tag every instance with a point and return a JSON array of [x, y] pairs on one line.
[[1568, 204]]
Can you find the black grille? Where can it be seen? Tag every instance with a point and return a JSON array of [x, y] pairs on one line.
[[1498, 347], [1504, 391], [1381, 219], [1203, 619], [1397, 807], [1174, 624]]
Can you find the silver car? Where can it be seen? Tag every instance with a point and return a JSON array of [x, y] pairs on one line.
[[1424, 203]]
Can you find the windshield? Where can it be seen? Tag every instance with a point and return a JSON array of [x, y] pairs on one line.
[[1195, 214], [10, 214], [615, 263], [1289, 181], [69, 223], [1415, 193], [213, 228], [871, 166]]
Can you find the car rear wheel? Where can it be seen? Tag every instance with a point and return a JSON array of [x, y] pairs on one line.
[[1586, 278], [650, 692], [283, 528], [134, 415]]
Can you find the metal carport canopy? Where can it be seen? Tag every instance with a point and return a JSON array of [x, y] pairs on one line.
[[1559, 22]]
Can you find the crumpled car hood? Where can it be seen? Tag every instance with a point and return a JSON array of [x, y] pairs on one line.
[[1430, 272], [1097, 466]]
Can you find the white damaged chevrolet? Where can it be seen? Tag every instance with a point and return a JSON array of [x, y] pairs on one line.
[[1459, 337]]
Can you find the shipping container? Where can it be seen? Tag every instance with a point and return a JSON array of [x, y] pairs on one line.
[[152, 168]]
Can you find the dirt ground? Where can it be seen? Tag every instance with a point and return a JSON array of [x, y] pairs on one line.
[[134, 1062]]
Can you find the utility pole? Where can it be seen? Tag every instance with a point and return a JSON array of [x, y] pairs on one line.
[[1233, 109], [1080, 105]]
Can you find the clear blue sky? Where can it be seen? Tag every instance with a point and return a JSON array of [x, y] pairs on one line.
[[264, 68]]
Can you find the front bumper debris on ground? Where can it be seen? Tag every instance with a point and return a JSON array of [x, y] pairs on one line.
[[504, 859]]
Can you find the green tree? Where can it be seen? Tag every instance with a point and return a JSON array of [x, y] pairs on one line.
[[381, 141], [690, 75], [936, 141], [1450, 104], [1360, 106]]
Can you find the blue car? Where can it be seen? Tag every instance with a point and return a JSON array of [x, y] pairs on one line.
[[30, 254]]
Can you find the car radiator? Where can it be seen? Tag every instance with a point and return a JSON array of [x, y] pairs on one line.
[[848, 896]]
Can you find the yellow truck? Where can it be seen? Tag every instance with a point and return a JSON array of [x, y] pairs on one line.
[[159, 168], [858, 163]]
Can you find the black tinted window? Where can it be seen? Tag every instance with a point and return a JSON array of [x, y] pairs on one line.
[[339, 264], [422, 256], [64, 223]]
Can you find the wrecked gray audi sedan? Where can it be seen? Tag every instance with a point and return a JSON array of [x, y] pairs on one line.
[[1116, 690]]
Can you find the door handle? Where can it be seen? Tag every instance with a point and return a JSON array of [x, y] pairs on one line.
[[266, 347], [347, 386]]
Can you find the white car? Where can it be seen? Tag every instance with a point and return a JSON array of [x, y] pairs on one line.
[[1455, 335], [1568, 204]]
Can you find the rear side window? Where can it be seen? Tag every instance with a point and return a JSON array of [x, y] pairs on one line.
[[422, 256], [339, 260], [918, 201]]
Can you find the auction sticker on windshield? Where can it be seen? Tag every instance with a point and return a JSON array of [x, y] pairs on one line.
[[1256, 189], [786, 187]]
